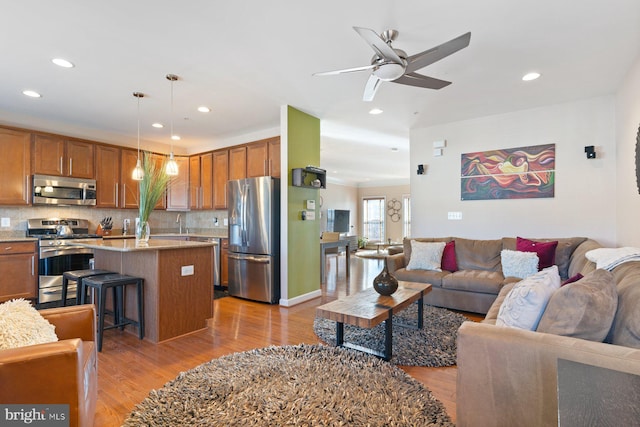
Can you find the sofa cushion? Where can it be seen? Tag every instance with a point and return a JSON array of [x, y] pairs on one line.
[[583, 309], [626, 324], [21, 325], [572, 279], [406, 244], [546, 251], [426, 255], [518, 264], [421, 276], [492, 314], [564, 251], [525, 303], [488, 282], [478, 254], [449, 262]]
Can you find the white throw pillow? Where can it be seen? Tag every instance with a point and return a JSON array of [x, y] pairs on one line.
[[426, 255], [525, 303], [22, 325], [518, 264]]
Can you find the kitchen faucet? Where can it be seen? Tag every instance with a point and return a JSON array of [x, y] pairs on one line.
[[179, 224]]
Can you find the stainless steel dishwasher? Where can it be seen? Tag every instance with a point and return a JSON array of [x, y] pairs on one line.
[[216, 255]]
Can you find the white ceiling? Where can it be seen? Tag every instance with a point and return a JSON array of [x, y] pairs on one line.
[[245, 59]]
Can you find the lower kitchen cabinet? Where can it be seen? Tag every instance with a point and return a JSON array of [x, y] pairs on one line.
[[18, 268], [224, 262]]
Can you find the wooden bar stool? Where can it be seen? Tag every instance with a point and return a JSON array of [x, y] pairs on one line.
[[77, 276], [117, 282]]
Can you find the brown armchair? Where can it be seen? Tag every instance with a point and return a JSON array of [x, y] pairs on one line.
[[63, 372]]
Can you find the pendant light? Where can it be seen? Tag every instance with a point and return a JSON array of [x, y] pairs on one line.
[[138, 172], [172, 166]]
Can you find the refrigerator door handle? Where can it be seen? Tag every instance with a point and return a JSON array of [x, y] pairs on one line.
[[250, 259], [245, 197]]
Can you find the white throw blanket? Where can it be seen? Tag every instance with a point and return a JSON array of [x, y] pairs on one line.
[[610, 258]]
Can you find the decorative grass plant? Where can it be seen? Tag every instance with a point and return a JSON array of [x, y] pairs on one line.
[[152, 186]]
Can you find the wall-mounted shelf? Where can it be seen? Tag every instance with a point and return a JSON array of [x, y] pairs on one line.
[[305, 177]]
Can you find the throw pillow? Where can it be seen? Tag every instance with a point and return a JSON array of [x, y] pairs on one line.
[[546, 251], [524, 305], [518, 264], [426, 255], [572, 279], [22, 325], [449, 262], [583, 309]]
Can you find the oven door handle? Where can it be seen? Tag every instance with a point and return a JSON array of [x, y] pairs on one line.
[[62, 251]]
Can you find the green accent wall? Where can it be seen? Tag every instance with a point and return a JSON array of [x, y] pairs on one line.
[[303, 255]]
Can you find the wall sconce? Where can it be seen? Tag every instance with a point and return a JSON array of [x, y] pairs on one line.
[[591, 151], [421, 169]]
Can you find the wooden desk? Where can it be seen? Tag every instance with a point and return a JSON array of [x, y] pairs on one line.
[[324, 244], [368, 308]]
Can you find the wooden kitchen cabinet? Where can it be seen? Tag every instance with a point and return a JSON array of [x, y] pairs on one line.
[[19, 270], [53, 155], [201, 181], [224, 262], [107, 176], [238, 162], [128, 188], [178, 191], [15, 167], [220, 178], [263, 158]]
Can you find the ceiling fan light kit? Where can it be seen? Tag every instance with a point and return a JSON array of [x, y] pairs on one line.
[[394, 65]]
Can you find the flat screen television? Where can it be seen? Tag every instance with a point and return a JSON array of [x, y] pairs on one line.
[[338, 220]]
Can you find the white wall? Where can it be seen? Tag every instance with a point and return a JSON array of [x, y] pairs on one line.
[[584, 202], [394, 230], [338, 196], [628, 120]]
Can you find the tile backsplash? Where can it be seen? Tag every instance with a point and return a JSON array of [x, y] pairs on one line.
[[159, 220]]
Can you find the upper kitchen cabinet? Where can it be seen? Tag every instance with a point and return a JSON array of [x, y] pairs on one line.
[[201, 181], [220, 178], [178, 191], [129, 188], [238, 162], [107, 176], [53, 155], [263, 158], [14, 167]]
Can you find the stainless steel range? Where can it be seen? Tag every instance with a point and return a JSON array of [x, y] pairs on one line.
[[56, 256]]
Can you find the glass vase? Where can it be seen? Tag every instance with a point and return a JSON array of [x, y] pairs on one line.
[[143, 231]]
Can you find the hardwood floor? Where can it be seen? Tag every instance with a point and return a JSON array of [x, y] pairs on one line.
[[129, 368]]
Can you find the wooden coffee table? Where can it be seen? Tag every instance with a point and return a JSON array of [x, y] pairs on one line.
[[367, 309]]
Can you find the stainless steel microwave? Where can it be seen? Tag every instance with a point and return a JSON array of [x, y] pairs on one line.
[[59, 190]]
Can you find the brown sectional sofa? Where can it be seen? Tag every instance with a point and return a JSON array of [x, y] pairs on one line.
[[508, 376], [476, 284]]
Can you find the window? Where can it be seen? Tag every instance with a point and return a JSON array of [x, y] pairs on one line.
[[406, 222], [373, 209]]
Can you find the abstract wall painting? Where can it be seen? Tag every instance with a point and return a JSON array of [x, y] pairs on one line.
[[513, 173]]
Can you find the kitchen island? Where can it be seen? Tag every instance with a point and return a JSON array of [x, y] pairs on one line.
[[178, 296]]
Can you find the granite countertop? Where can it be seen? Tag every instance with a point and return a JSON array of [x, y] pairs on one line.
[[129, 245], [17, 239]]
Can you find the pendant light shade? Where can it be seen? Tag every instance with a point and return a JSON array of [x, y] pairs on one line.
[[172, 166], [138, 172]]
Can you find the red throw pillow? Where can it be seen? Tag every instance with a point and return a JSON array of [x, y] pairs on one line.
[[572, 279], [546, 251], [449, 257]]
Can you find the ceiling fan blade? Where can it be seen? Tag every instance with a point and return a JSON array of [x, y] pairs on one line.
[[346, 70], [381, 48], [415, 79], [428, 57], [371, 88]]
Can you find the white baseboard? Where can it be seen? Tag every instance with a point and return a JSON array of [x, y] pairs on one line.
[[301, 298]]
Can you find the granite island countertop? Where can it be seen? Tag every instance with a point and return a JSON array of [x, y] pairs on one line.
[[130, 245]]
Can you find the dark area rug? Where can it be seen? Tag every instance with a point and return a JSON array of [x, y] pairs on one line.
[[303, 385], [434, 345]]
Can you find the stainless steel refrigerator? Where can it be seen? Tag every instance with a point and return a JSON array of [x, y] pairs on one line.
[[254, 238]]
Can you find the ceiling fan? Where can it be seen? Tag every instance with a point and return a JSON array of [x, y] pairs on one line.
[[393, 65]]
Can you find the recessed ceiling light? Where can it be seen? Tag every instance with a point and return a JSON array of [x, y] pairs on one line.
[[530, 76], [62, 63], [175, 137], [204, 109], [375, 111], [157, 125], [31, 93]]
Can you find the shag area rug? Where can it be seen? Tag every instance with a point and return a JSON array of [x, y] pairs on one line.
[[434, 345], [303, 385]]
